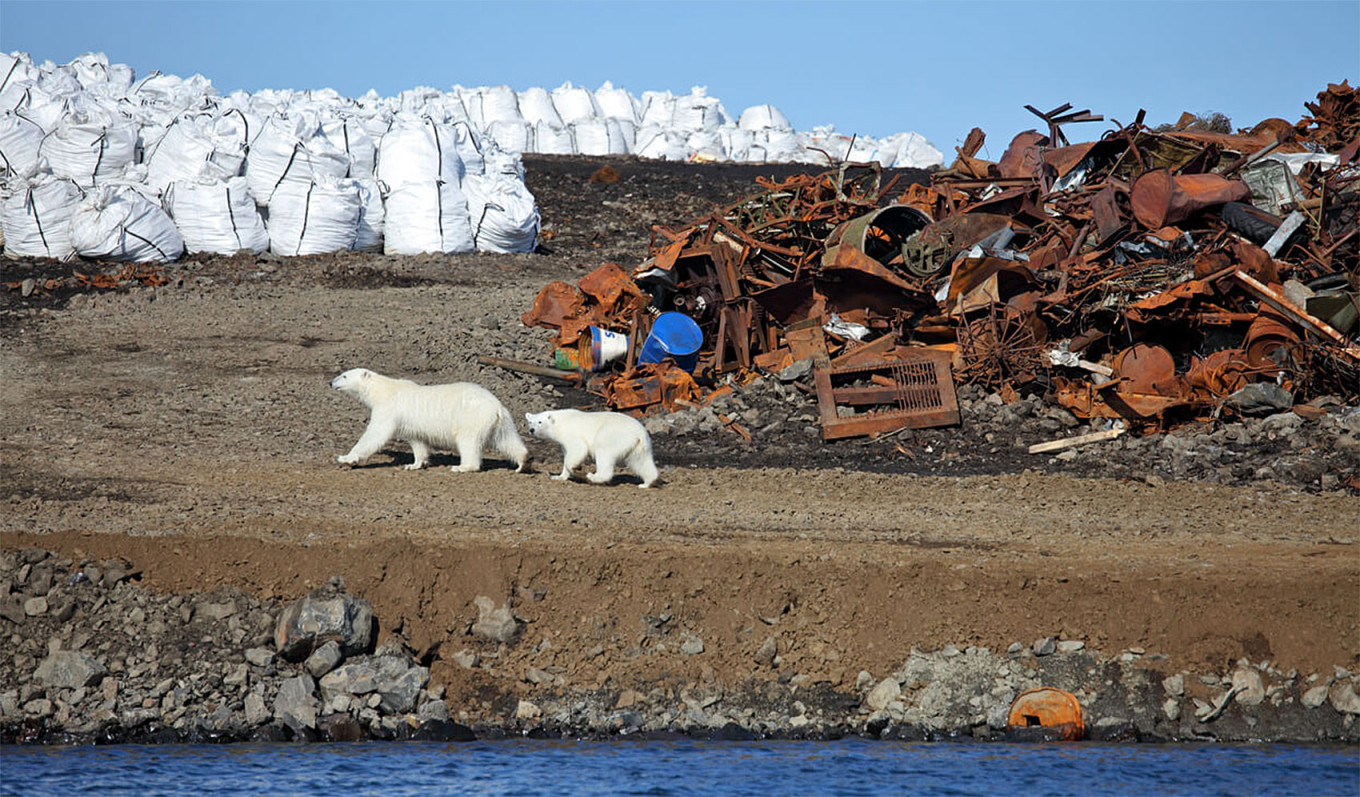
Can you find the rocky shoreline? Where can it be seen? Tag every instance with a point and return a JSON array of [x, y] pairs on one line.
[[94, 658]]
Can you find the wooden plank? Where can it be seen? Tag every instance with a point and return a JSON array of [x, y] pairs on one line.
[[1072, 442]]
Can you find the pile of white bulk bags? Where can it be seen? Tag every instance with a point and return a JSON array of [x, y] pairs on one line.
[[417, 172], [117, 222]]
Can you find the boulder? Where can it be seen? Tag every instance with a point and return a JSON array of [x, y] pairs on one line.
[[495, 623], [323, 616], [69, 669], [296, 706]]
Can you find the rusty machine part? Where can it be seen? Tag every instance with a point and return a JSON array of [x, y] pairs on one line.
[[913, 392]]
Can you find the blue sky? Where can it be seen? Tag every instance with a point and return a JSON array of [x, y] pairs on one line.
[[875, 68]]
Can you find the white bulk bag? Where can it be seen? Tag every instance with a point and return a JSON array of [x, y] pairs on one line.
[[349, 135], [657, 109], [697, 111], [502, 162], [574, 103], [598, 137], [198, 145], [516, 136], [469, 146], [913, 151], [315, 218], [708, 144], [370, 235], [503, 214], [551, 139], [116, 222], [536, 105], [419, 150], [292, 150], [92, 69], [763, 117], [617, 103], [15, 68], [782, 146], [426, 217], [90, 144], [499, 104], [19, 141], [216, 216], [37, 217], [737, 143], [655, 142]]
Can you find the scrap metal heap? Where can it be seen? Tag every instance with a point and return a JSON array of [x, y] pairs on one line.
[[1151, 276]]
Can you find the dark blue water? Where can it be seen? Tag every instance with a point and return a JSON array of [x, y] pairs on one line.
[[850, 767]]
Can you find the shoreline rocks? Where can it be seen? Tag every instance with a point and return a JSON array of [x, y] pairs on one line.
[[129, 666]]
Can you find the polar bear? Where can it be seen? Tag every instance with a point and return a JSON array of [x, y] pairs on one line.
[[461, 415], [609, 437]]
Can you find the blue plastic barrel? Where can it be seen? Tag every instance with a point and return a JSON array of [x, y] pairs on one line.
[[673, 335]]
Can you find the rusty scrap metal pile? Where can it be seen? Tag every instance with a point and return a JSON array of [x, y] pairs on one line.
[[1152, 276]]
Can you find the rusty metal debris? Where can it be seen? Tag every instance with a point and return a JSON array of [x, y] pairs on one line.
[[130, 274], [1146, 276]]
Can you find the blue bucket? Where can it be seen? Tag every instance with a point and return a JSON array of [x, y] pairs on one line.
[[673, 335]]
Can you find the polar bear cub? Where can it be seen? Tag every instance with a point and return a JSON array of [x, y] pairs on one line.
[[461, 416], [609, 437]]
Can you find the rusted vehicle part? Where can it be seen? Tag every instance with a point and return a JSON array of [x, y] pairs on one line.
[[1047, 707], [880, 234], [1001, 346], [916, 391]]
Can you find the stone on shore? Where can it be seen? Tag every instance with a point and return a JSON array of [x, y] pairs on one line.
[[69, 669], [495, 623], [296, 706], [328, 614]]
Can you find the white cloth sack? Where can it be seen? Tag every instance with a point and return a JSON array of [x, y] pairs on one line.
[[37, 217], [350, 136], [292, 150], [419, 150], [617, 103], [116, 222], [654, 142], [551, 139], [19, 141], [536, 106], [503, 214], [499, 104], [90, 144], [216, 216], [426, 217], [196, 146], [371, 216], [574, 103], [763, 117], [514, 136], [599, 137], [316, 218]]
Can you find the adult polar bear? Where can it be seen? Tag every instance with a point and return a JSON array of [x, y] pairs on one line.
[[461, 416], [610, 437]]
